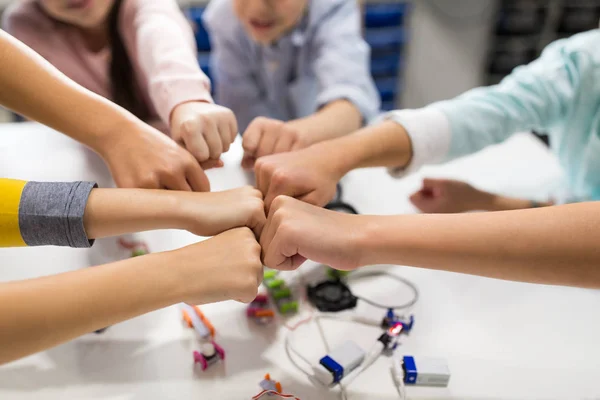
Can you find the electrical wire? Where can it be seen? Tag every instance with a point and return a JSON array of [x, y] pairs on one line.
[[274, 393], [365, 272]]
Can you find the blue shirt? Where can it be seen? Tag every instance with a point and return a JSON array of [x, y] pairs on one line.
[[324, 58], [559, 94]]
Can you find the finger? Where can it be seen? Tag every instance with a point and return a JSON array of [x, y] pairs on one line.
[[263, 181], [251, 137], [212, 164], [225, 135], [284, 144], [233, 128], [194, 141], [313, 198], [248, 161], [283, 253], [258, 222], [176, 182], [213, 139], [197, 178], [267, 143]]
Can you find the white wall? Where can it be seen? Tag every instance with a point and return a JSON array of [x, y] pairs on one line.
[[447, 49]]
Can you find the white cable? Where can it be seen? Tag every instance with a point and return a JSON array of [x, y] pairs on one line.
[[373, 271]]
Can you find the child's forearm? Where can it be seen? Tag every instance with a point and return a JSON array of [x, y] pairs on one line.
[[31, 86], [504, 203], [383, 145], [336, 119], [112, 212], [40, 313], [555, 245]]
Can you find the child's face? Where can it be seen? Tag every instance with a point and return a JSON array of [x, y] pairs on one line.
[[86, 14], [268, 20]]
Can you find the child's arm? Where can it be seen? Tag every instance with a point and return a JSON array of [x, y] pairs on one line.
[[446, 196], [161, 38], [40, 313], [552, 245], [137, 155], [71, 214], [535, 96]]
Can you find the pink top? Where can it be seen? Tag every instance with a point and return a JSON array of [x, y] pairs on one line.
[[156, 34]]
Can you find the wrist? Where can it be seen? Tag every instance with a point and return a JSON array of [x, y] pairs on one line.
[[368, 239], [113, 135]]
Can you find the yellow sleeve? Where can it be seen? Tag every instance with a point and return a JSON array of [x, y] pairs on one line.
[[10, 198]]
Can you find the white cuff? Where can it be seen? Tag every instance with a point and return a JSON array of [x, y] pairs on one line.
[[430, 135]]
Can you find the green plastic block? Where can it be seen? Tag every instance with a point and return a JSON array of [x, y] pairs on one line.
[[275, 283], [282, 293], [137, 253], [289, 307], [270, 274]]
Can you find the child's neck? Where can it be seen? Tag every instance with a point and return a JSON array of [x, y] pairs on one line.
[[95, 39]]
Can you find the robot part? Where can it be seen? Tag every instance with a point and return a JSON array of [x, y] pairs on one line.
[[259, 310], [392, 320], [281, 294], [197, 320], [210, 353], [270, 385]]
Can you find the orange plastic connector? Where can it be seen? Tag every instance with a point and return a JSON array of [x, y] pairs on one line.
[[264, 313], [187, 319], [278, 387], [205, 321]]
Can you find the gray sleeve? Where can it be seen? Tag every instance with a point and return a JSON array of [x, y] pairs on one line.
[[51, 213]]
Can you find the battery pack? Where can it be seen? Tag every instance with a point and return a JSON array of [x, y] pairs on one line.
[[421, 371], [339, 363]]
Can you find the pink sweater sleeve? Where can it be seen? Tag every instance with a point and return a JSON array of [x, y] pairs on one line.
[[161, 40]]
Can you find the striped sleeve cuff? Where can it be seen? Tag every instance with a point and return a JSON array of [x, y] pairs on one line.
[[430, 136], [52, 213]]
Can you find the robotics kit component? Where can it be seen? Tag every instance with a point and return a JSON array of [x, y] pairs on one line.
[[391, 319], [280, 292], [331, 296], [420, 371], [260, 310], [209, 354], [339, 363]]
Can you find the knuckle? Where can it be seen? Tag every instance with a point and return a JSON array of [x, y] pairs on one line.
[[278, 177]]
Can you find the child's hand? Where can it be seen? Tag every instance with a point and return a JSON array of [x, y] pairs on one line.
[[265, 136], [296, 231], [304, 174], [142, 157], [206, 130], [208, 214], [226, 267], [449, 196]]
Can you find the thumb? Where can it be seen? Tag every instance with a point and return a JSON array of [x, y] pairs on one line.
[[208, 164], [248, 161], [251, 138]]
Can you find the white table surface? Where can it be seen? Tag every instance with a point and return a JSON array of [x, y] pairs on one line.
[[502, 340]]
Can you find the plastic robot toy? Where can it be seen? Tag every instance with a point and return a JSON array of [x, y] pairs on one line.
[[391, 320], [210, 352]]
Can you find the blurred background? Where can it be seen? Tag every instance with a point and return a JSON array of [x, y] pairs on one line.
[[429, 50]]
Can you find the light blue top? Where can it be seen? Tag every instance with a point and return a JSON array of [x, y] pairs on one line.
[[325, 58], [558, 94]]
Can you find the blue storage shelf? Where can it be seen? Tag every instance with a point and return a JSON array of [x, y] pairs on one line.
[[382, 15], [387, 87], [194, 14], [385, 63], [386, 38]]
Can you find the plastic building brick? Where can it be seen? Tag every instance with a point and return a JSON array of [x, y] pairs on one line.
[[136, 248], [210, 353], [270, 385], [280, 292], [197, 320], [260, 310]]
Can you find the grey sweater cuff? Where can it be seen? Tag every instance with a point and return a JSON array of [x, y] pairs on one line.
[[51, 213]]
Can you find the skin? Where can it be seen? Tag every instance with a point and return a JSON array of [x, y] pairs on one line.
[[311, 174], [226, 267], [451, 196], [266, 21], [551, 245], [136, 154], [206, 130]]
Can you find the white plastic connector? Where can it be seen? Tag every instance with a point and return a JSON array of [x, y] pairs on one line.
[[339, 363]]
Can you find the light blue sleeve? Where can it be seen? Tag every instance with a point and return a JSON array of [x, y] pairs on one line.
[[342, 62], [536, 96], [235, 86]]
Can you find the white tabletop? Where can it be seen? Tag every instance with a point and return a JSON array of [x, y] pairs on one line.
[[502, 340]]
